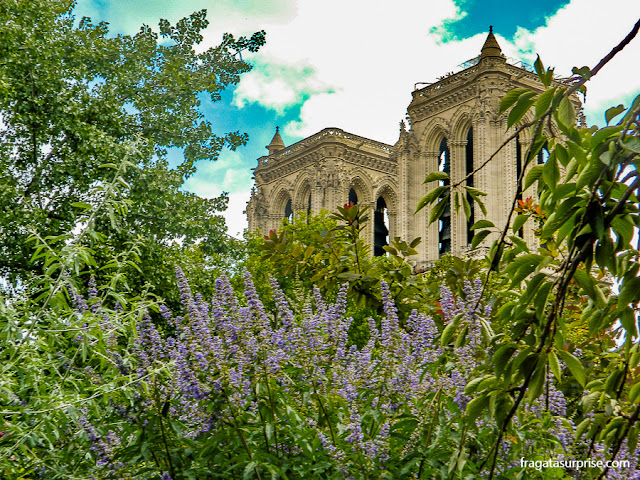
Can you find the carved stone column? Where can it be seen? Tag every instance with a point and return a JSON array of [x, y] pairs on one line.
[[428, 249], [393, 225], [458, 219]]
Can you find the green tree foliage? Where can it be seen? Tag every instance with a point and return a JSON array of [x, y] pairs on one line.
[[74, 100], [226, 388], [586, 219], [332, 253]]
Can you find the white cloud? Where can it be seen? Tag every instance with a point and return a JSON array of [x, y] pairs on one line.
[[234, 215], [581, 33], [234, 16], [227, 174], [354, 63], [277, 86], [371, 54]]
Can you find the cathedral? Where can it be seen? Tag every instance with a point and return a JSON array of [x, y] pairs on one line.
[[453, 126]]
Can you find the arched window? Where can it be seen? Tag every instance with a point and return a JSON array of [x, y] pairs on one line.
[[288, 211], [543, 154], [353, 197], [468, 155], [380, 228], [444, 230], [518, 173], [518, 168], [308, 208]]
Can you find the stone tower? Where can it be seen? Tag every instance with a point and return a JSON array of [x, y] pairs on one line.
[[454, 126]]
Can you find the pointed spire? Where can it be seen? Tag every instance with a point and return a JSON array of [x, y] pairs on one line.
[[490, 47], [276, 143]]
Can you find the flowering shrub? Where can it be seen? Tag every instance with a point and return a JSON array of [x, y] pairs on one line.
[[225, 390], [288, 395]]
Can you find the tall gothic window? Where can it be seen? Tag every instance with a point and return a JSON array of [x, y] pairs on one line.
[[518, 168], [380, 228], [308, 208], [353, 197], [288, 211], [518, 173], [468, 155], [444, 230], [543, 154]]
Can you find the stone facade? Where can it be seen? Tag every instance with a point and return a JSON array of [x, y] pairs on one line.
[[453, 125]]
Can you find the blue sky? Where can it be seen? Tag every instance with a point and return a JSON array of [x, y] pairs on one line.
[[352, 64]]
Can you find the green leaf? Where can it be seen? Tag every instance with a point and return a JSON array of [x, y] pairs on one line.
[[519, 221], [632, 144], [466, 207], [572, 168], [84, 206], [589, 401], [538, 67], [541, 298], [433, 176], [551, 173], [502, 356], [476, 406], [472, 385], [589, 174], [438, 210], [582, 427], [538, 379], [476, 194], [584, 72], [585, 281], [482, 224], [503, 405], [612, 384], [634, 393], [544, 101], [554, 365], [566, 113], [479, 237], [431, 197], [532, 287], [520, 243], [629, 291], [249, 470], [532, 175], [575, 366], [613, 112], [512, 97], [561, 154], [450, 330], [551, 225], [520, 109]]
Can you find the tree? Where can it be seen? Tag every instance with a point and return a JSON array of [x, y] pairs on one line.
[[587, 213], [74, 100]]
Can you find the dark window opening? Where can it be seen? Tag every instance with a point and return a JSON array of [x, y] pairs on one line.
[[468, 154], [353, 197], [518, 173], [380, 228], [543, 154], [308, 209], [444, 230], [288, 211], [518, 168]]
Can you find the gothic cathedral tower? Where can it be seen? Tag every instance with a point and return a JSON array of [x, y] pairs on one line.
[[454, 126]]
